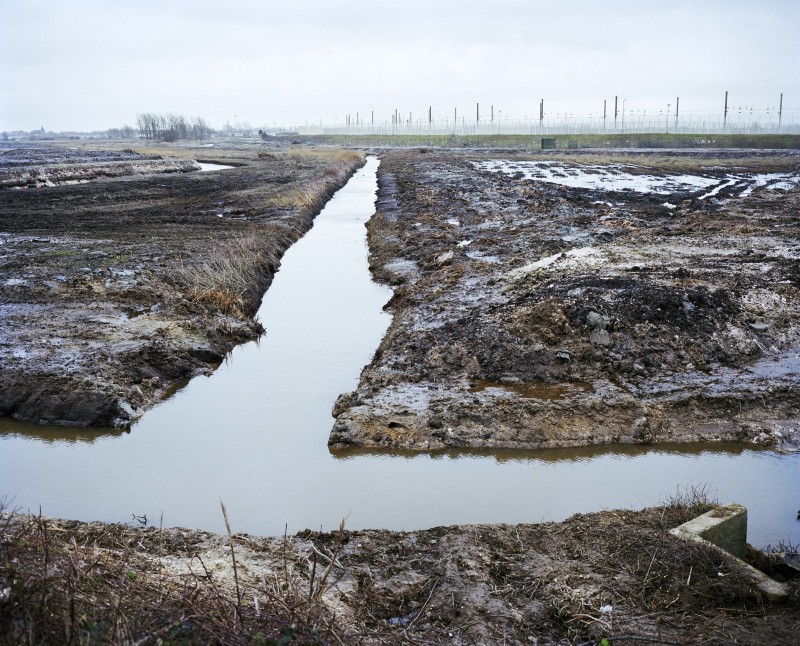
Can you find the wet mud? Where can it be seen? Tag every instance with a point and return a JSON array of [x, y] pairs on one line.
[[535, 314], [117, 288]]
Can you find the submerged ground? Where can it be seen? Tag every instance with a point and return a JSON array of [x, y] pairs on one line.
[[556, 300]]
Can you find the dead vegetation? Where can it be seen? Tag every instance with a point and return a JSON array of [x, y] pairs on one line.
[[617, 576], [233, 276], [63, 582]]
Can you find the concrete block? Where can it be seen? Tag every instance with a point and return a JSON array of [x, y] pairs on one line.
[[725, 528]]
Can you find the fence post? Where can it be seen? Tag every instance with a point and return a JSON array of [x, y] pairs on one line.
[[541, 116], [725, 114]]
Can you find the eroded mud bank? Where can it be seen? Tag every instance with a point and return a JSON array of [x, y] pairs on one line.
[[114, 290], [531, 314]]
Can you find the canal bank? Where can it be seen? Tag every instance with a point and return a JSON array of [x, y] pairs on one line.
[[114, 290], [253, 434]]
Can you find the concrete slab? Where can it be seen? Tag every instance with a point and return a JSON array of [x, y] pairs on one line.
[[725, 528]]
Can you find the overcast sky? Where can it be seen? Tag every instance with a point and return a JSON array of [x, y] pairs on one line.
[[96, 64]]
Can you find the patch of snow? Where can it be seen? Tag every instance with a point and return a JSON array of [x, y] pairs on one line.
[[564, 260], [613, 177], [782, 181], [592, 176], [447, 256], [762, 302], [717, 189], [402, 267], [209, 167], [477, 255], [464, 243]]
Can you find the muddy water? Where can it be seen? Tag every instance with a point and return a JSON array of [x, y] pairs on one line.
[[254, 435]]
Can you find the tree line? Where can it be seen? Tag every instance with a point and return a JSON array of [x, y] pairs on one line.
[[124, 132], [172, 127]]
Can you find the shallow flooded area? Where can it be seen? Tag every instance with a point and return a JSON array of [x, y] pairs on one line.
[[208, 166], [254, 433], [629, 177]]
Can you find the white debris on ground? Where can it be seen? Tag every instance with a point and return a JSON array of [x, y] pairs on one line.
[[563, 260]]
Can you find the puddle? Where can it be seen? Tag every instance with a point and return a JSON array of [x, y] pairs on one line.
[[254, 434], [532, 390], [617, 177], [209, 167]]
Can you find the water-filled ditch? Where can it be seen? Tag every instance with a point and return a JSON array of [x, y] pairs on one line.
[[254, 434]]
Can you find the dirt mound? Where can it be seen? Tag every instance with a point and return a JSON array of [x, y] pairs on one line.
[[617, 575], [659, 318]]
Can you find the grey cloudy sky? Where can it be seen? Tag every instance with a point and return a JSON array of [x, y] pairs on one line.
[[95, 64]]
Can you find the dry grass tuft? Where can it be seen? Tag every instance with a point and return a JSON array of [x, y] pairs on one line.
[[234, 274]]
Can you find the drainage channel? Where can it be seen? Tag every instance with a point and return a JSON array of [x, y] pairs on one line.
[[254, 434]]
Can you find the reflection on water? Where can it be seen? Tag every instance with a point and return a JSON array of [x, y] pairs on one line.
[[11, 428], [581, 454], [254, 434]]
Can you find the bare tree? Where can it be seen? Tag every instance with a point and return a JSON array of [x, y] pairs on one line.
[[171, 127], [200, 129]]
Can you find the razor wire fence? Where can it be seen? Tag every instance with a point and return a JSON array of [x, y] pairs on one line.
[[640, 122]]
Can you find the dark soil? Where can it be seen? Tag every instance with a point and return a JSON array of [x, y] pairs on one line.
[[665, 318], [115, 289]]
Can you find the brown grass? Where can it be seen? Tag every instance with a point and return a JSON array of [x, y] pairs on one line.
[[235, 272], [112, 589]]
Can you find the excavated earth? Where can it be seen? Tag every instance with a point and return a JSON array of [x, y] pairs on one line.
[[532, 314], [123, 273], [616, 575], [526, 314]]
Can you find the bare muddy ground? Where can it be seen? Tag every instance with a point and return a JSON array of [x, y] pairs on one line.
[[34, 167], [617, 574], [532, 314], [115, 289]]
